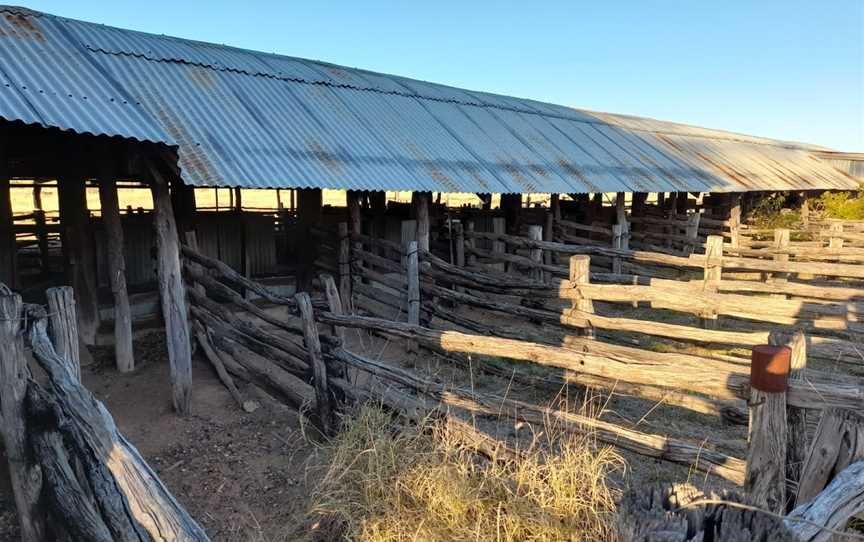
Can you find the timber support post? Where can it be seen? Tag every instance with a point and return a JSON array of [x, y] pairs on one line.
[[835, 241], [172, 293], [8, 246], [765, 478], [712, 274], [470, 242], [125, 358], [24, 471], [413, 271], [323, 403], [333, 301], [580, 274], [735, 219], [499, 225], [408, 233], [79, 250], [309, 201], [549, 235], [63, 327], [781, 243], [420, 202], [535, 233], [692, 232], [345, 268], [796, 418]]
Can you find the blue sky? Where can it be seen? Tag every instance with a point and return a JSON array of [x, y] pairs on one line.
[[788, 69]]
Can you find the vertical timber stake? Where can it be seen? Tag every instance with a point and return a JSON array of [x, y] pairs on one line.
[[63, 327], [535, 233], [116, 272], [172, 293], [712, 274], [23, 470], [345, 268], [413, 270], [765, 478], [323, 404], [580, 274]]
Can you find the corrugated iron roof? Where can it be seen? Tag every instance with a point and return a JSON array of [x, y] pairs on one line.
[[250, 119]]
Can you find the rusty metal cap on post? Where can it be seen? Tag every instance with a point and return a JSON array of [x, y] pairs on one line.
[[769, 368]]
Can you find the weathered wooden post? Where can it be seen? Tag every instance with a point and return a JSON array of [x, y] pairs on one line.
[[79, 251], [580, 274], [408, 233], [413, 272], [712, 274], [549, 235], [333, 301], [555, 206], [470, 242], [345, 268], [309, 201], [323, 404], [420, 202], [796, 418], [172, 293], [123, 353], [499, 225], [735, 219], [691, 230], [63, 327], [765, 479], [8, 246], [835, 241], [459, 233], [535, 233], [23, 470], [781, 243]]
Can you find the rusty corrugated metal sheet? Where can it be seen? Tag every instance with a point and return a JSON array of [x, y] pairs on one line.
[[243, 118]]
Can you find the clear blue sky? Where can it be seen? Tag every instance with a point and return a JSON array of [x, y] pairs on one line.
[[788, 69]]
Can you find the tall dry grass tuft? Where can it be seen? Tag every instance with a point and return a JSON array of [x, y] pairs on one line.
[[418, 483]]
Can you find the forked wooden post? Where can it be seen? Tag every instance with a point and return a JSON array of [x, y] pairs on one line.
[[413, 271], [116, 271], [713, 273], [765, 478], [25, 474], [63, 327], [345, 268], [323, 405], [580, 274], [535, 233], [333, 301]]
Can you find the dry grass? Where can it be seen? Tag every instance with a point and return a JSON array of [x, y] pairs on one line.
[[419, 484]]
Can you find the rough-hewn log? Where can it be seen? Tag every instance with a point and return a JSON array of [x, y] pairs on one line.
[[713, 273], [536, 255], [23, 470], [796, 418], [831, 509], [413, 274], [123, 353], [580, 274], [133, 501], [8, 246], [332, 294], [324, 406], [172, 293], [63, 327]]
